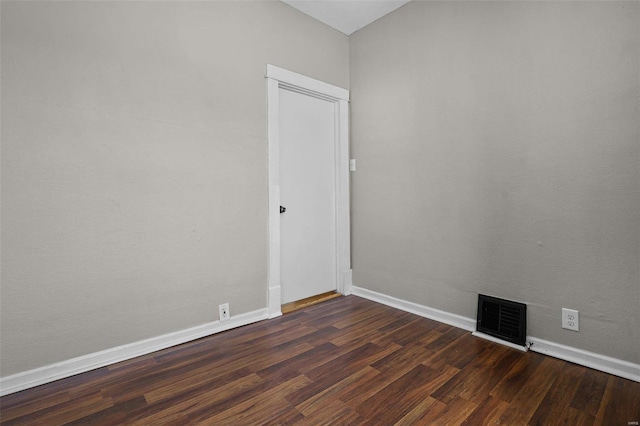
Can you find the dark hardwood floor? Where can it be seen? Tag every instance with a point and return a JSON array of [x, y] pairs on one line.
[[346, 361]]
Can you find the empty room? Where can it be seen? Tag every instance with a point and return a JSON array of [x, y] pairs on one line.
[[320, 212]]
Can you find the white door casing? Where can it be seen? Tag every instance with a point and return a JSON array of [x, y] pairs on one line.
[[277, 79]]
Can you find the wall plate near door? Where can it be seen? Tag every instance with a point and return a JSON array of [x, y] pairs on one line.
[[224, 312]]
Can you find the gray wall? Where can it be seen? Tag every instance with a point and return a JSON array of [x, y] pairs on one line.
[[134, 165], [498, 152]]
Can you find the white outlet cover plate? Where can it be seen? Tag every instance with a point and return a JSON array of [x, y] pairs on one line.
[[224, 312], [570, 319]]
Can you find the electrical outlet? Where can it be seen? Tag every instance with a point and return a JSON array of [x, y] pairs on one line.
[[224, 311], [570, 319]]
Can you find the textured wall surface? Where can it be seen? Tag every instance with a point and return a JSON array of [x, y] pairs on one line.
[[134, 165], [498, 150]]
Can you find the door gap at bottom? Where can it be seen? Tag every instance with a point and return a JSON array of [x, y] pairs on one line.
[[308, 301]]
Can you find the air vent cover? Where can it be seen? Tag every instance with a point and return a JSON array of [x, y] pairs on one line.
[[503, 319]]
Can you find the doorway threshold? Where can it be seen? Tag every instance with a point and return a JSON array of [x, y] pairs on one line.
[[299, 304]]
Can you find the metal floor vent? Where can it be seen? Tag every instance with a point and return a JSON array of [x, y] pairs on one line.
[[503, 319]]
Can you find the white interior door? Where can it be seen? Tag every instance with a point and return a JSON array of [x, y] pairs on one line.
[[308, 192]]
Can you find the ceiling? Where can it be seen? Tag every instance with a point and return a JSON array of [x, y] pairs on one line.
[[346, 16]]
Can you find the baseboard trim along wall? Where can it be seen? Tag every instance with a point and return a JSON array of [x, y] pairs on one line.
[[617, 367], [414, 308], [604, 363], [71, 367]]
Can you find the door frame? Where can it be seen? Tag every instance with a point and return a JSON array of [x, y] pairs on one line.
[[277, 78]]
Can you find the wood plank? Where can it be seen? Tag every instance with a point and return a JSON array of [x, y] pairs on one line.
[[420, 331], [291, 367], [24, 407], [556, 405], [336, 413], [485, 376], [395, 401], [488, 412], [401, 361], [420, 414], [474, 382], [454, 413], [180, 409], [620, 403], [64, 412], [328, 374], [115, 415], [517, 376], [254, 410], [590, 391], [528, 398], [321, 400]]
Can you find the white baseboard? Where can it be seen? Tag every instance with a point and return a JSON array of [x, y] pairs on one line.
[[464, 323], [617, 367], [346, 282], [275, 309], [71, 367]]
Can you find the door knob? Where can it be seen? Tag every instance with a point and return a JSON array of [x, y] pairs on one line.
[[283, 209]]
